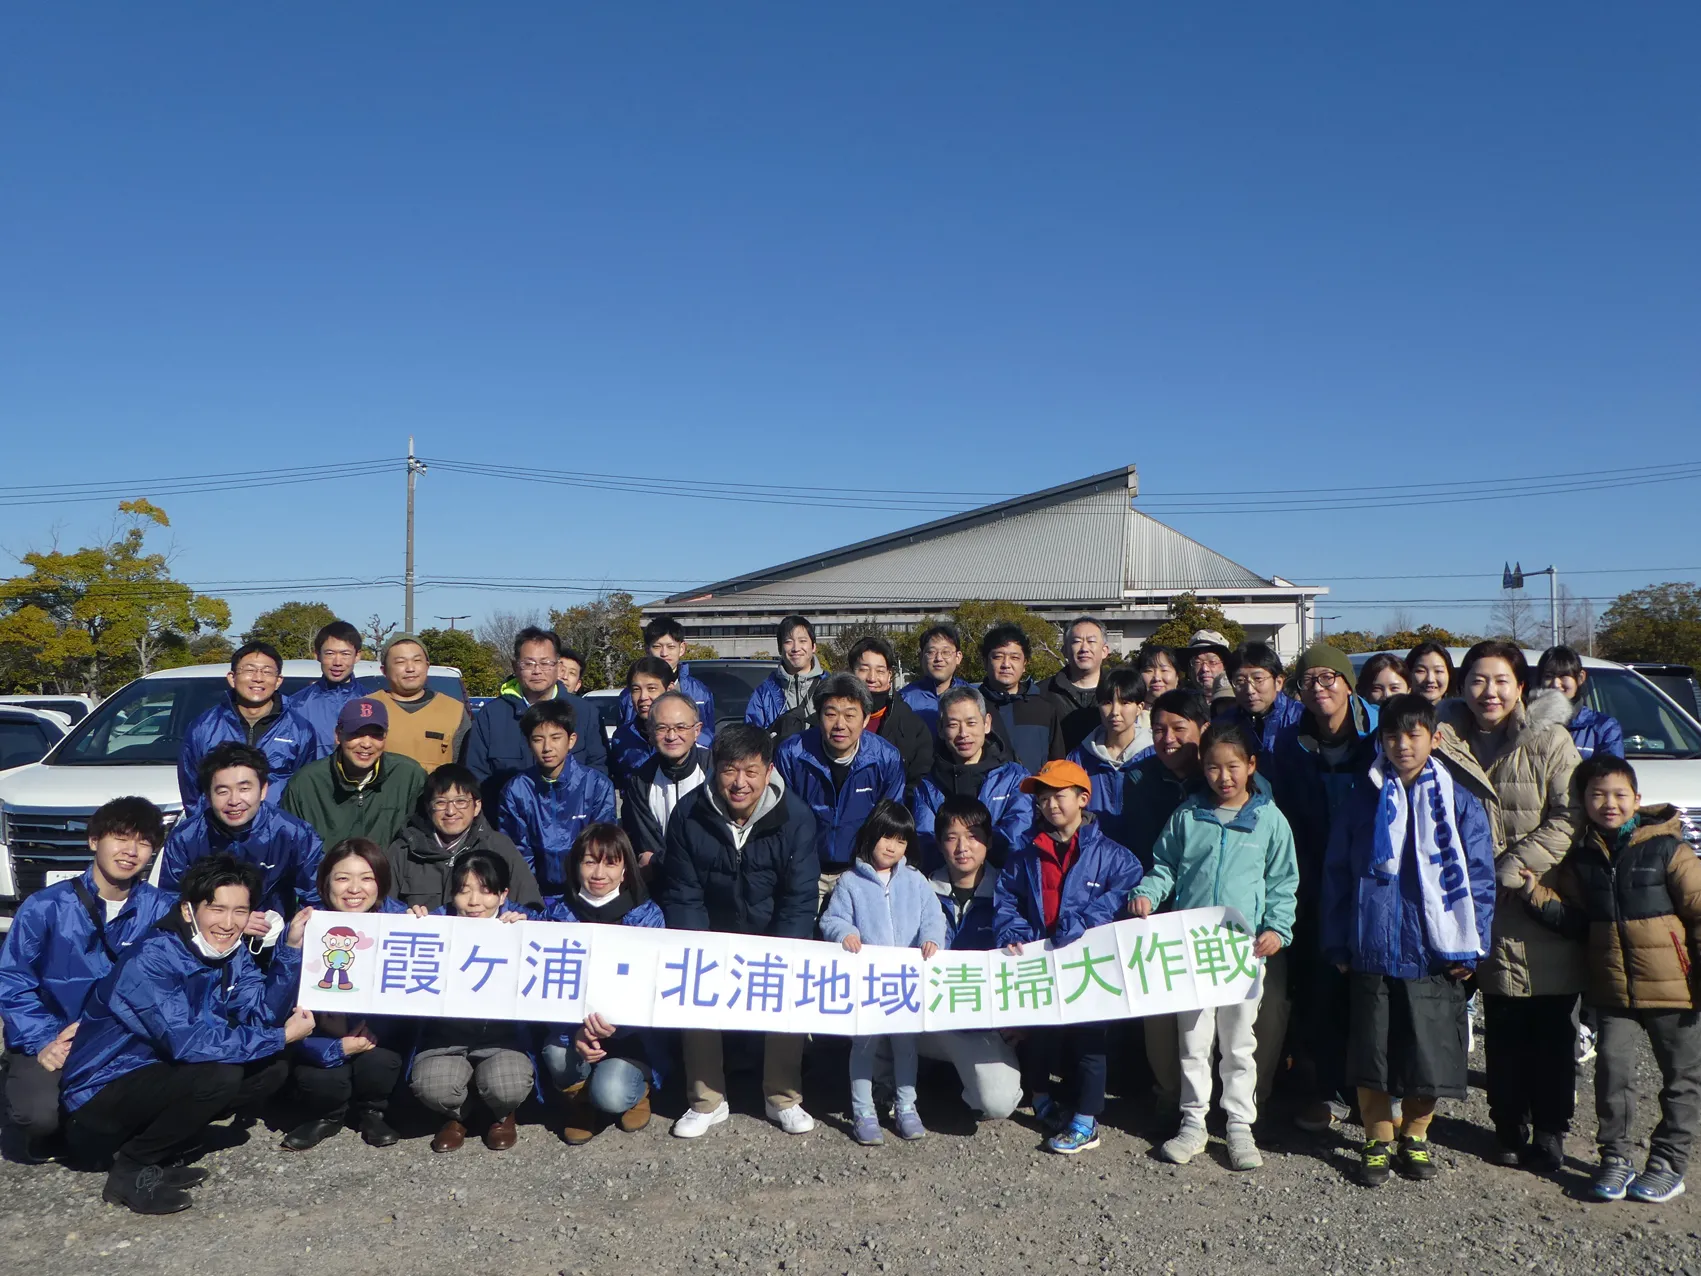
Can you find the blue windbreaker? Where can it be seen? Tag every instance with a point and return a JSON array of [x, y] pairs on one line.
[[657, 1041], [287, 740], [1378, 927], [767, 703], [1594, 732], [545, 817], [495, 751], [285, 849], [971, 927], [1284, 713], [54, 955], [1095, 890], [924, 699], [165, 1003], [700, 695], [1000, 792], [1111, 783], [877, 772], [627, 751], [319, 703]]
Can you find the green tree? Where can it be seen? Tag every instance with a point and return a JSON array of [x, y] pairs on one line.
[[481, 671], [834, 652], [290, 627], [92, 619], [1660, 623], [1188, 614], [1351, 640], [609, 632], [1405, 639], [974, 617]]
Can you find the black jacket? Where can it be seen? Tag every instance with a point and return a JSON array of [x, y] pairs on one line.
[[636, 816], [1078, 708], [766, 888], [1028, 723], [419, 867], [903, 728]]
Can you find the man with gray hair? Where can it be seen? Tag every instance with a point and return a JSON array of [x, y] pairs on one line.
[[841, 770], [971, 761], [678, 765], [1075, 687]]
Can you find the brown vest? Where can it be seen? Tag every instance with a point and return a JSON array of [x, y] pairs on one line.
[[426, 735]]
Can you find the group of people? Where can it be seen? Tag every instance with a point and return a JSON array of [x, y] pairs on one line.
[[1397, 839]]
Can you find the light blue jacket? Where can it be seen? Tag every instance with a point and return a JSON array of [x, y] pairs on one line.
[[901, 913], [1248, 864]]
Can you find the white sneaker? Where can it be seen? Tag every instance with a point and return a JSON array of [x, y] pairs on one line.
[[695, 1124], [793, 1120]]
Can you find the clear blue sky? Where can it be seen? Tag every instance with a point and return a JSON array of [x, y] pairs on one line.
[[975, 247]]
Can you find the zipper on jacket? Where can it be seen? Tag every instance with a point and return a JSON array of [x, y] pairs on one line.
[[1623, 933]]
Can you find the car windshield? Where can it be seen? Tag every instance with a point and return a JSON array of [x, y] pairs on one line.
[[23, 740], [144, 723], [731, 685], [1652, 727]]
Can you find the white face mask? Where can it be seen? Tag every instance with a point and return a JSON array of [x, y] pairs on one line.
[[205, 947]]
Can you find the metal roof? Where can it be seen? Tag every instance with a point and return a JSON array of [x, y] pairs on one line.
[[1079, 542]]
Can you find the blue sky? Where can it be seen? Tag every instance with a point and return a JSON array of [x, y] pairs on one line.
[[977, 248]]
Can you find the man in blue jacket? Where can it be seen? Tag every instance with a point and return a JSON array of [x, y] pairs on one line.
[[841, 770], [941, 649], [1315, 764], [185, 1028], [788, 688], [63, 941], [972, 762], [496, 749], [741, 858], [337, 648], [547, 806], [235, 819], [253, 714], [631, 745], [1261, 704], [664, 638]]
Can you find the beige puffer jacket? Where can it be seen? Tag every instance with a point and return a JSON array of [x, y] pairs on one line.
[[1539, 817]]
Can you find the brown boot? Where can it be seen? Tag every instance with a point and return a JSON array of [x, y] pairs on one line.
[[637, 1116], [502, 1134], [450, 1137], [583, 1120]]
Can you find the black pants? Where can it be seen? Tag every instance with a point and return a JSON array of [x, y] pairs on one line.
[[32, 1096], [1408, 1036], [1531, 1050], [146, 1115], [1076, 1054], [1321, 1025], [367, 1080]]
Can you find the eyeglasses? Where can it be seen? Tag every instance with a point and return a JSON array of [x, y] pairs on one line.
[[257, 671], [1320, 679], [453, 804], [1258, 679], [670, 729], [531, 666]]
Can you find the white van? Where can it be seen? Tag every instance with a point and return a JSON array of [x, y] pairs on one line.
[[127, 746], [1662, 741]]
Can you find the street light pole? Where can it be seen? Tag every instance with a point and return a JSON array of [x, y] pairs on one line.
[[415, 469]]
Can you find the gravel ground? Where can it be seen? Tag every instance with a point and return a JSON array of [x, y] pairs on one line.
[[747, 1198]]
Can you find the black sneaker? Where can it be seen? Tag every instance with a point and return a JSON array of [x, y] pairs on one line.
[[376, 1131], [143, 1189], [1510, 1146], [309, 1134], [1415, 1160], [1373, 1168], [1546, 1153]]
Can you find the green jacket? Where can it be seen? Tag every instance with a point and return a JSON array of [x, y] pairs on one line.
[[320, 794], [1248, 864]]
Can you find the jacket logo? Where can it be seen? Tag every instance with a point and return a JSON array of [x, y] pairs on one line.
[[867, 788]]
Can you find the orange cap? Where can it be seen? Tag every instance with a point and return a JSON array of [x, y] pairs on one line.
[[1058, 774]]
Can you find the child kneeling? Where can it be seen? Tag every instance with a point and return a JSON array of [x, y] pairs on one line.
[[1226, 847], [884, 899], [1632, 887], [1407, 911]]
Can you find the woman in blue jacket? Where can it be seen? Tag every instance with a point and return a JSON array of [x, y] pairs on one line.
[[349, 1063], [603, 1069]]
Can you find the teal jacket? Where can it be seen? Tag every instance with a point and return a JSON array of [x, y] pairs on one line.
[[1248, 864]]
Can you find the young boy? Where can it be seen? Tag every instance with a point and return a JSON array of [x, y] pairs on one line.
[[64, 939], [1067, 878], [1115, 748], [1228, 846], [1407, 909], [1632, 886], [545, 808]]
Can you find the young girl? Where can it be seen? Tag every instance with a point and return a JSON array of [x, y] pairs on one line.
[[884, 899], [605, 1070], [1382, 678], [456, 1056], [1591, 731], [1226, 846]]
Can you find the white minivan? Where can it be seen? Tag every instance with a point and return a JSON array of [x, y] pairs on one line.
[[127, 746], [1661, 740]]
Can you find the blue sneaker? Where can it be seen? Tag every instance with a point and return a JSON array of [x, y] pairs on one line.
[[1658, 1183], [1613, 1179], [1073, 1138], [909, 1125], [866, 1131]]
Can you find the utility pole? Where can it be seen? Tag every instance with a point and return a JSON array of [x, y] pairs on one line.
[[453, 619], [415, 469], [1513, 578]]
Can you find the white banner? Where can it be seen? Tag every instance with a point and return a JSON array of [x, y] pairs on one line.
[[556, 972]]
